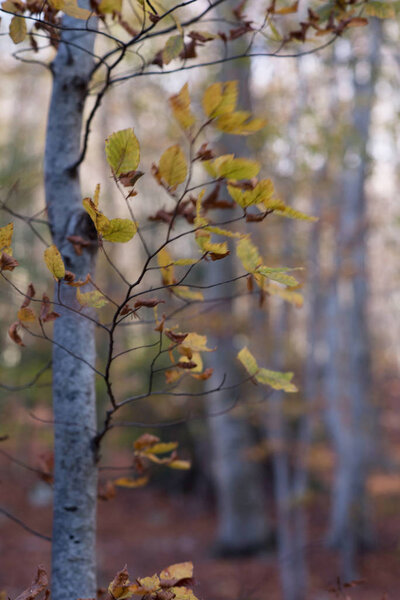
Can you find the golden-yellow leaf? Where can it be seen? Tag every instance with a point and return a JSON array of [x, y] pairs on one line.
[[248, 361], [180, 104], [110, 6], [183, 291], [17, 29], [165, 262], [173, 166], [182, 465], [94, 299], [54, 262], [220, 98], [196, 343], [127, 482], [239, 123], [26, 315], [6, 234], [178, 571]]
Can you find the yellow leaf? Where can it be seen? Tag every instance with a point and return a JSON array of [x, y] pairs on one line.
[[182, 262], [161, 448], [280, 208], [166, 263], [94, 299], [239, 123], [196, 343], [276, 380], [183, 291], [110, 6], [262, 193], [289, 295], [232, 168], [122, 151], [278, 274], [180, 104], [127, 482], [71, 8], [54, 262], [220, 98], [248, 361], [178, 571], [183, 593], [173, 48], [100, 221], [149, 584], [120, 230], [6, 234], [182, 465], [26, 315], [173, 166], [381, 10], [17, 29], [248, 254], [173, 375]]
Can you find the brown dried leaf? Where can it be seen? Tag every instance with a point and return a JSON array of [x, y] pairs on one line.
[[39, 584], [14, 335], [7, 262], [145, 441]]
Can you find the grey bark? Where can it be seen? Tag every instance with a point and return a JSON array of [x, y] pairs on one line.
[[348, 374], [75, 483]]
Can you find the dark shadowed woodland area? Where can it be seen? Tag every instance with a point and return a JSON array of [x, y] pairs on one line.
[[199, 300]]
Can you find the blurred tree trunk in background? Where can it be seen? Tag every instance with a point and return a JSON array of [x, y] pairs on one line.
[[243, 525], [348, 373], [288, 439]]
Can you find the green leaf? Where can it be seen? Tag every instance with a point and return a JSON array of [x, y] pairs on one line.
[[173, 167], [120, 230], [276, 379], [122, 151], [173, 48]]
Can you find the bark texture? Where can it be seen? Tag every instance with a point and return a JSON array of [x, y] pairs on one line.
[[75, 486]]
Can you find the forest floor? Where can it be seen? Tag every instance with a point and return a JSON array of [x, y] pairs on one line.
[[148, 529]]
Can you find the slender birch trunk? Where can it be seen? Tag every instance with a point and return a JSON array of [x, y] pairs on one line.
[[75, 485]]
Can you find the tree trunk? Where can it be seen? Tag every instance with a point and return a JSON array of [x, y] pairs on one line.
[[348, 378], [75, 485], [241, 504]]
